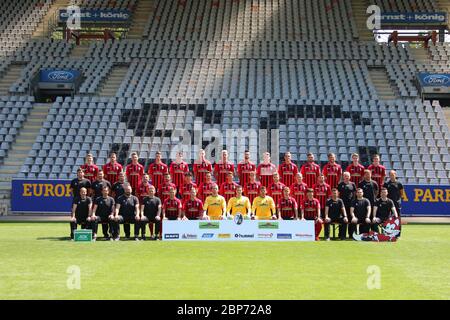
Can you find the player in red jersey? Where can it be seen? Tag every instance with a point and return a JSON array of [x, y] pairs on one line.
[[298, 189], [356, 170], [310, 171], [322, 192], [112, 169], [265, 171], [156, 170], [89, 168], [177, 170], [205, 189], [332, 171], [251, 189], [311, 211], [193, 207], [287, 206], [287, 170], [378, 171], [222, 168], [165, 188], [228, 188], [134, 172], [144, 188], [185, 191], [201, 168], [244, 169], [276, 188], [172, 207]]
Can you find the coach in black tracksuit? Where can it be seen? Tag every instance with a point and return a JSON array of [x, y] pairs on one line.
[[347, 192], [151, 213], [78, 183], [126, 212], [335, 213], [361, 210], [81, 209], [384, 209], [103, 212], [98, 184], [370, 189]]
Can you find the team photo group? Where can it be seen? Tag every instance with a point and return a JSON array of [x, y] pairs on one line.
[[357, 200]]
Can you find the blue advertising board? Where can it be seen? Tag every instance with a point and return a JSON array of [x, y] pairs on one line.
[[399, 18], [434, 79], [97, 15], [426, 200], [59, 75], [41, 196], [55, 196]]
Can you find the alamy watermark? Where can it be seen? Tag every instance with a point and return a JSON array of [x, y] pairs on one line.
[[73, 281]]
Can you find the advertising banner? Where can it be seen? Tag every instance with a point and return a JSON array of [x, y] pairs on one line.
[[97, 15], [426, 200], [417, 18]]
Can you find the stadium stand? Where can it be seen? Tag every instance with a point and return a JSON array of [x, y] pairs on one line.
[[296, 66]]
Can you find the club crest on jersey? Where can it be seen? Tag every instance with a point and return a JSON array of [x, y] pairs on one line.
[[238, 218]]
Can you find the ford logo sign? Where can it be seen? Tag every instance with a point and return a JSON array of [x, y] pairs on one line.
[[436, 79], [60, 76]]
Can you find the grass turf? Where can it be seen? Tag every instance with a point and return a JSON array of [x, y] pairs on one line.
[[34, 260]]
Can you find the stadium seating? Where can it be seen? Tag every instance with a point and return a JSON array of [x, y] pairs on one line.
[[271, 64], [407, 5]]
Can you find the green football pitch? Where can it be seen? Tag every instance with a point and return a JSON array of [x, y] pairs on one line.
[[37, 262]]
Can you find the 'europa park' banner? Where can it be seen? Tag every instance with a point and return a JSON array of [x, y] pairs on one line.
[[54, 196]]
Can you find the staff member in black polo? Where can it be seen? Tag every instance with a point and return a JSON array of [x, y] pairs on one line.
[[98, 184], [151, 214], [118, 187], [335, 213], [126, 212], [360, 211], [103, 212], [384, 209], [347, 192], [79, 182], [81, 210], [370, 189], [396, 192]]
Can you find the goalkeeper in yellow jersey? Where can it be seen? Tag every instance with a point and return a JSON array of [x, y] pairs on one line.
[[263, 207], [215, 205], [239, 204]]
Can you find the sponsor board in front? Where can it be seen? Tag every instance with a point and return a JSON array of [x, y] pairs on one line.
[[188, 236], [268, 225], [171, 236], [224, 236], [207, 235], [284, 236], [244, 236], [265, 235], [209, 225]]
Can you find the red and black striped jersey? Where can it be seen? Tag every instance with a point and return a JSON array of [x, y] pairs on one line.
[[185, 190], [298, 192], [164, 191], [90, 171], [112, 171], [244, 170], [333, 174], [310, 209], [143, 191], [172, 207], [322, 192], [134, 173], [205, 190], [221, 170], [156, 172], [228, 190], [378, 174], [287, 207], [356, 173], [251, 190], [200, 171], [193, 209], [310, 172], [265, 172], [177, 171], [276, 191], [287, 172]]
